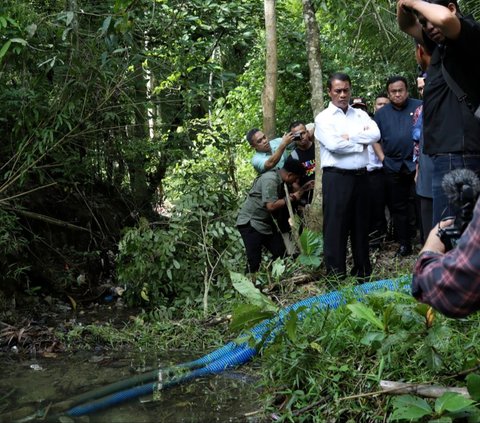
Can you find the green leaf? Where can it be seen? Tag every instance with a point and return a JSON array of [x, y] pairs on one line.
[[69, 17], [310, 242], [245, 287], [432, 358], [291, 325], [408, 407], [245, 316], [144, 294], [473, 386], [373, 337], [5, 48], [278, 269], [452, 402], [361, 311], [311, 261], [106, 25]]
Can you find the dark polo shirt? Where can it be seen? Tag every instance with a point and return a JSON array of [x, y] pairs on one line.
[[396, 134]]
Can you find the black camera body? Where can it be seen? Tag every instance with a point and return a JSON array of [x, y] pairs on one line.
[[462, 187], [297, 136]]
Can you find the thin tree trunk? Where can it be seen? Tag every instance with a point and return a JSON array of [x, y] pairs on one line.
[[269, 97], [314, 56], [314, 214], [136, 163]]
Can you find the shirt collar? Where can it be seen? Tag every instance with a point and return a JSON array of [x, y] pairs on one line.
[[334, 109]]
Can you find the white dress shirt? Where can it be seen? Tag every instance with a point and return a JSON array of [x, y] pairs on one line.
[[336, 151], [374, 162]]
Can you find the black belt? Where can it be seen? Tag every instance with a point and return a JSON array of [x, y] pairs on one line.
[[374, 171], [355, 172]]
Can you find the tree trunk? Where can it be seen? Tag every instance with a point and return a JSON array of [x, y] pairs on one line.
[[269, 97], [136, 163], [314, 214]]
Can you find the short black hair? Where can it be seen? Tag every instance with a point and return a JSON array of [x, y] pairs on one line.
[[296, 123], [396, 78], [251, 133], [444, 3], [383, 94], [294, 166], [340, 76]]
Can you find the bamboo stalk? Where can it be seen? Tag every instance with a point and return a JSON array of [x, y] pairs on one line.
[[296, 237]]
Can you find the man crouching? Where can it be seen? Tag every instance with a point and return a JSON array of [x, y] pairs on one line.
[[255, 221]]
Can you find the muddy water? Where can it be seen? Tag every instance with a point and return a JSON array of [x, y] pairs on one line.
[[33, 384]]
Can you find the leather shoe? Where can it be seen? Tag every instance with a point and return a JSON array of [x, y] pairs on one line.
[[404, 250]]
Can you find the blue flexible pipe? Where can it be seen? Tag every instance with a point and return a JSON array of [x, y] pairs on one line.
[[232, 354]]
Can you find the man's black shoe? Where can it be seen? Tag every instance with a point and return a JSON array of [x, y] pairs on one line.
[[404, 250]]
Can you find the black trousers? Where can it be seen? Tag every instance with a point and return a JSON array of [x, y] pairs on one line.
[[254, 241], [377, 222], [401, 193], [345, 213], [426, 213]]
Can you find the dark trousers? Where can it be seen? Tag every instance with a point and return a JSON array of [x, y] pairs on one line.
[[426, 211], [345, 213], [401, 192], [377, 222], [443, 164], [254, 241]]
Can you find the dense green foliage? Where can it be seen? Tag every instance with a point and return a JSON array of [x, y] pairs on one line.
[[123, 134], [329, 365], [112, 109]]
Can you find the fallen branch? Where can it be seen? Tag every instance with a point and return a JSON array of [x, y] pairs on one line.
[[294, 280], [49, 219], [218, 320], [423, 390]]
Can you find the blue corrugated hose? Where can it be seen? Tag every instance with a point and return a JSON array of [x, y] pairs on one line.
[[232, 354]]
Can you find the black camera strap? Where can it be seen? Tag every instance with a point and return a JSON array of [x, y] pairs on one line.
[[459, 93]]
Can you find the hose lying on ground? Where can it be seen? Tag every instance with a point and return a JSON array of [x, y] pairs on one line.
[[228, 356]]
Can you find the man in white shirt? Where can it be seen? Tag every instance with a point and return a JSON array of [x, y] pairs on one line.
[[344, 134]]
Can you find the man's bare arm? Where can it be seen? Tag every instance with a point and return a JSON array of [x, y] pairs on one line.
[[275, 157], [443, 18], [377, 148]]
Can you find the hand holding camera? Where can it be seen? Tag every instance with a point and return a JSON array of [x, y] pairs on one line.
[[462, 187], [297, 136]]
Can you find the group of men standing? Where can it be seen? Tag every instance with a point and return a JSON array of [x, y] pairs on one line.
[[354, 147]]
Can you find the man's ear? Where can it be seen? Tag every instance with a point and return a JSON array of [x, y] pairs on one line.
[[452, 8]]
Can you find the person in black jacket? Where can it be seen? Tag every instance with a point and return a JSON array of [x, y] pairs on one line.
[[451, 131]]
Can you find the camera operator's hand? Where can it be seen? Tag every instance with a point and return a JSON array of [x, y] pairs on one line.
[[433, 242], [288, 138]]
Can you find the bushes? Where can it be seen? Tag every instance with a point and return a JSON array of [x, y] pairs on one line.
[[329, 371], [12, 248], [178, 260]]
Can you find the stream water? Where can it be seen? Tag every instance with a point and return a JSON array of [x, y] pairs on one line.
[[36, 383]]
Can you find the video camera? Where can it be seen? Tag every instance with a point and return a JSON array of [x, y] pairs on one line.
[[462, 188]]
